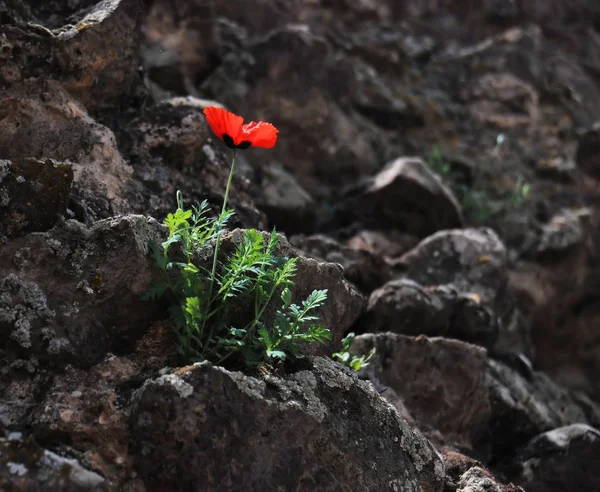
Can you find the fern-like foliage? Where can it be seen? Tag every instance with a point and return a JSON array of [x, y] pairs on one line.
[[252, 280]]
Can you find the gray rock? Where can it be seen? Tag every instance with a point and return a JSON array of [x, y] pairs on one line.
[[315, 428], [471, 260], [364, 269], [50, 124], [441, 382], [407, 196], [73, 293], [523, 407], [405, 307], [566, 459], [289, 207], [477, 479], [90, 48], [25, 466]]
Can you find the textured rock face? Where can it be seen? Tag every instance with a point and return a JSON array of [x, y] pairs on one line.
[[561, 459], [440, 382], [406, 195], [47, 123], [296, 431], [473, 260], [501, 120], [405, 307], [526, 404], [73, 293], [47, 180], [25, 466], [91, 47]]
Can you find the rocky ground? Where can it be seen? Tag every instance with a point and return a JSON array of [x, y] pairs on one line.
[[443, 152]]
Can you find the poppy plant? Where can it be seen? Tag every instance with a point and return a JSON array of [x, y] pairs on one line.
[[230, 128]]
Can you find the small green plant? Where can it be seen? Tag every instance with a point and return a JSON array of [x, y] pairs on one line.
[[248, 285], [438, 163], [519, 194], [480, 205], [240, 308], [349, 359]]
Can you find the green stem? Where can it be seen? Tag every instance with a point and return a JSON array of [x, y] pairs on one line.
[[218, 243]]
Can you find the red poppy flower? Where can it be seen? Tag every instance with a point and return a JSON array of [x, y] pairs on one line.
[[230, 128]]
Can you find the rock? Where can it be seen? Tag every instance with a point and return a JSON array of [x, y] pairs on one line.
[[81, 411], [562, 459], [551, 290], [72, 294], [387, 244], [441, 382], [405, 307], [90, 48], [287, 205], [471, 260], [300, 430], [43, 121], [362, 268], [172, 148], [469, 475], [405, 195], [476, 479], [523, 407], [24, 466], [33, 195], [587, 156], [83, 408]]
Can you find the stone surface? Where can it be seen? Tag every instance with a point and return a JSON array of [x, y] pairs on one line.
[[527, 404], [20, 181], [289, 207], [441, 382], [405, 195], [298, 430], [89, 47], [472, 260], [45, 122], [566, 459], [73, 293], [364, 269], [405, 307], [25, 466], [469, 475], [476, 479]]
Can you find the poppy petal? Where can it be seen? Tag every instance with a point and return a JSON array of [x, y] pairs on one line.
[[223, 122], [259, 134]]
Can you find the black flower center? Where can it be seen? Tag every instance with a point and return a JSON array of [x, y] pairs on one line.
[[229, 142]]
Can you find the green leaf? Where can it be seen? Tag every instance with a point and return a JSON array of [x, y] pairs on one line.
[[286, 297], [276, 354]]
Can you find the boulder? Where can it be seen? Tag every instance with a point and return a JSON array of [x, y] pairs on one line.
[[405, 307], [25, 466], [72, 294], [441, 382], [405, 195], [565, 459], [315, 428], [525, 404]]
